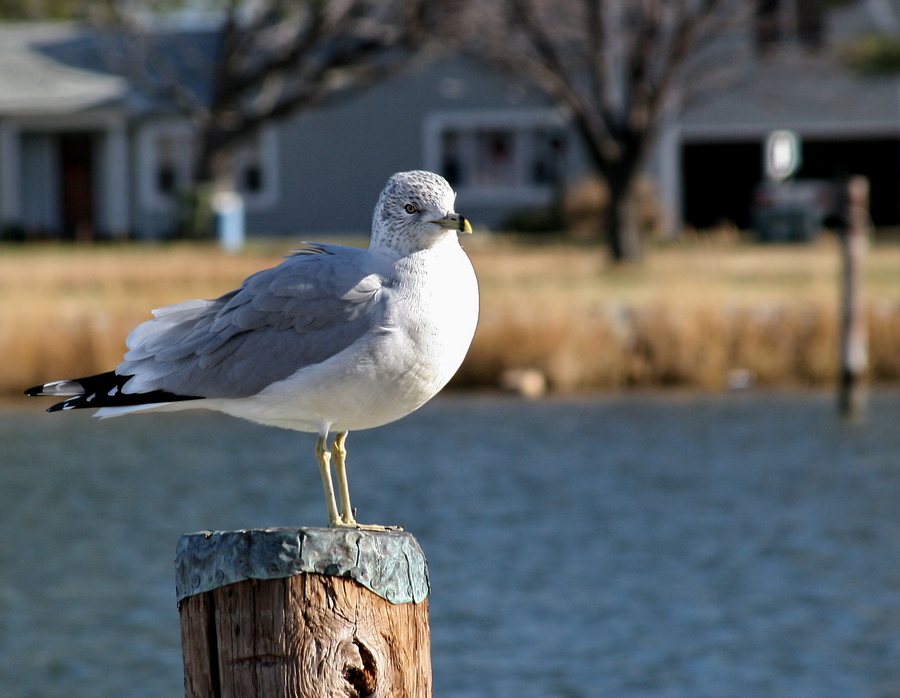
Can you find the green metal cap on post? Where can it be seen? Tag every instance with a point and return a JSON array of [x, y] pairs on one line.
[[390, 564]]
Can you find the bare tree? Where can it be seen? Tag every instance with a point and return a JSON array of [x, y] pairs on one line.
[[613, 64], [270, 59]]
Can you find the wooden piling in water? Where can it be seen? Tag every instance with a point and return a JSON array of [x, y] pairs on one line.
[[854, 350], [305, 613]]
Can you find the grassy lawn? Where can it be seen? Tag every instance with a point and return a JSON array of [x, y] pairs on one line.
[[688, 315]]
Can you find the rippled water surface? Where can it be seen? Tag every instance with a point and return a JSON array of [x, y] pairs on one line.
[[678, 546]]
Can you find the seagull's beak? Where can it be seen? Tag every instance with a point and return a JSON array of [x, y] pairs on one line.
[[453, 221]]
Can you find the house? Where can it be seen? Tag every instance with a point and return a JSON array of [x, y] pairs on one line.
[[85, 153], [794, 79], [64, 139]]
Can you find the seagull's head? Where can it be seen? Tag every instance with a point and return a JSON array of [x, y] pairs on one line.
[[415, 212]]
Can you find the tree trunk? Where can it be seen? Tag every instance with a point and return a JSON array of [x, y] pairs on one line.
[[622, 229], [621, 173], [213, 173]]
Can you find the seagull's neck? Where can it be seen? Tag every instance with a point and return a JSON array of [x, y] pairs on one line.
[[398, 248]]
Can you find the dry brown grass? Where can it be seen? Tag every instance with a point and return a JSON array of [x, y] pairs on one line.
[[65, 312], [688, 316]]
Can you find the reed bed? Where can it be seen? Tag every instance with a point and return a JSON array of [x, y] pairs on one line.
[[703, 313]]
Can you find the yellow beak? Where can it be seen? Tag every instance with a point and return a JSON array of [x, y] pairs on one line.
[[454, 221]]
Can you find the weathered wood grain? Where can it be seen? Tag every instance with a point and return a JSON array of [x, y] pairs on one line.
[[307, 636]]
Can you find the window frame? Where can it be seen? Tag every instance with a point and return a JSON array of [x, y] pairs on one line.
[[149, 167], [519, 121]]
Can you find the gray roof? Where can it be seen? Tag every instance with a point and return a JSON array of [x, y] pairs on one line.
[[814, 95], [54, 68], [33, 81]]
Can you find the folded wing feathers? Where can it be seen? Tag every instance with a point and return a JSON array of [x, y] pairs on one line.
[[190, 347], [185, 310]]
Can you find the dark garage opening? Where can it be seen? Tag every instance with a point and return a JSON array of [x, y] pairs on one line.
[[879, 160], [719, 178]]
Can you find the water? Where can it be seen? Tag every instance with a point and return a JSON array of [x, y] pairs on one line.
[[677, 546]]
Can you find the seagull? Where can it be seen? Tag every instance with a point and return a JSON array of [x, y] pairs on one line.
[[331, 340]]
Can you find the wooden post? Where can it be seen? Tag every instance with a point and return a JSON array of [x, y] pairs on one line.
[[854, 340], [305, 613]]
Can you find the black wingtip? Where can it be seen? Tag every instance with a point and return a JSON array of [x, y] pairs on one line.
[[104, 390]]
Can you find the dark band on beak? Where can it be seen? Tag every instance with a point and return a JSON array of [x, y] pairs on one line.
[[454, 221]]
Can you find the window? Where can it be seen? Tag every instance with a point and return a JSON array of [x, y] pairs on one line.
[[780, 21], [248, 165], [173, 162], [494, 153], [550, 155], [506, 155]]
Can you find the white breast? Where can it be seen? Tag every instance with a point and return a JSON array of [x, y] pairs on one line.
[[437, 312]]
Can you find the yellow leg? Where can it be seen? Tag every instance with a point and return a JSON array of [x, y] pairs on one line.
[[324, 457], [340, 469]]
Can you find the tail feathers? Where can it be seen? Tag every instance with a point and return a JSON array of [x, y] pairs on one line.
[[102, 390]]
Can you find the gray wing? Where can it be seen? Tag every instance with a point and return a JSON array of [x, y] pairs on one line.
[[309, 308]]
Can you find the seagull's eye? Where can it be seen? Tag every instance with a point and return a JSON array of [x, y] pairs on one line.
[[410, 208]]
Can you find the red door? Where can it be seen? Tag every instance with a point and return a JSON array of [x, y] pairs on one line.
[[76, 151]]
